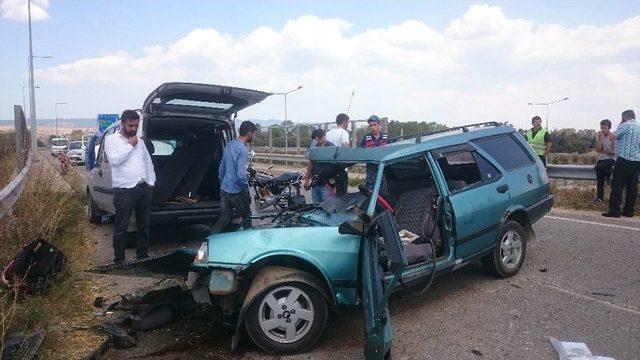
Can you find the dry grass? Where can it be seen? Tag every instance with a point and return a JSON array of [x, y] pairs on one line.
[[578, 195], [52, 210]]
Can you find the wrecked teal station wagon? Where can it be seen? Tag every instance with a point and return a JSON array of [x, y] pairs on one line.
[[440, 201]]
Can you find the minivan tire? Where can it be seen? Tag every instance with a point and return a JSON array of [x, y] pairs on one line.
[[93, 212], [509, 251], [309, 338]]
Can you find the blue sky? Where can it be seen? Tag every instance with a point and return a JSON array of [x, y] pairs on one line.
[[77, 30]]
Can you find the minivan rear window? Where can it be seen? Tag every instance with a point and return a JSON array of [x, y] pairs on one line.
[[205, 104], [505, 150]]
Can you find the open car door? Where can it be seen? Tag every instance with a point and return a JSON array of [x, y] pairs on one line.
[[375, 291]]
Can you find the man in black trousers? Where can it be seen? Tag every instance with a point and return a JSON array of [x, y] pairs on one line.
[[133, 178]]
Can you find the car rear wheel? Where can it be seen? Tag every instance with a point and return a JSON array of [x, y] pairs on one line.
[[509, 252], [92, 211], [288, 318]]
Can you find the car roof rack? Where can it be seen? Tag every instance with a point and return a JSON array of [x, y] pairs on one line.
[[464, 128]]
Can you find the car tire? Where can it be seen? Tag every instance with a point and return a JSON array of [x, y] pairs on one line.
[[306, 331], [93, 213], [509, 251]]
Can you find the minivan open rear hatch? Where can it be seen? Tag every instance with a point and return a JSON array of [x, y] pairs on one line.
[[200, 100]]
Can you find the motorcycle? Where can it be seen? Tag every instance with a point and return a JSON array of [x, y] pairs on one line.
[[281, 192]]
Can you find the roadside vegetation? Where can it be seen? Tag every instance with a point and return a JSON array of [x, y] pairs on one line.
[[53, 209], [8, 159]]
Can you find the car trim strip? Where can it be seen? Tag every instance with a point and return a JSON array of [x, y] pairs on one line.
[[477, 233]]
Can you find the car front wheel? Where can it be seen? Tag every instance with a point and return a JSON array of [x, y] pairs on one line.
[[509, 252], [287, 318]]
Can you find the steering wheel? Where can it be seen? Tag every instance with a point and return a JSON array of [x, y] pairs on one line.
[[379, 200]]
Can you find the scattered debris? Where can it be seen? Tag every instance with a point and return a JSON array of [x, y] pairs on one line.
[[603, 292], [21, 346], [100, 350], [121, 338], [33, 269], [543, 270], [516, 286], [477, 352], [98, 302], [574, 350]]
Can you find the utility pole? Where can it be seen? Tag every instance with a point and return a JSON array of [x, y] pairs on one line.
[[32, 93], [546, 104]]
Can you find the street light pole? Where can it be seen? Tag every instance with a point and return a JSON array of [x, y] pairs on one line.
[[56, 106], [32, 92], [286, 132], [546, 104], [24, 103]]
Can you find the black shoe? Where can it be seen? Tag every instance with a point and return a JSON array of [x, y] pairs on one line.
[[118, 262], [142, 257], [611, 214], [627, 214]]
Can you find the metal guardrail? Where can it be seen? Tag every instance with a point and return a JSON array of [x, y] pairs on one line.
[[571, 172], [10, 194], [566, 172]]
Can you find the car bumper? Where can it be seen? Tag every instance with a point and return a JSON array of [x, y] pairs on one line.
[[536, 211], [184, 216]]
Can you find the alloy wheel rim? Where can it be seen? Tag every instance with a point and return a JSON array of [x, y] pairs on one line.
[[286, 314], [510, 249]]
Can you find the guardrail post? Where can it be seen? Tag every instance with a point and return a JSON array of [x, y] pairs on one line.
[[18, 115], [298, 136], [270, 136]]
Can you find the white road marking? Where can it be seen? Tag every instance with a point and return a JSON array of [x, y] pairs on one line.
[[625, 308], [593, 223]]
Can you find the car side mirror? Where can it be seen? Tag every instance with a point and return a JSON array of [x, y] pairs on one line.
[[351, 227]]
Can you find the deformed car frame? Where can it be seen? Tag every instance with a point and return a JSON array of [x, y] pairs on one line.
[[454, 189]]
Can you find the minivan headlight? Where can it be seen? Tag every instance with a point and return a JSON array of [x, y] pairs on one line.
[[201, 256]]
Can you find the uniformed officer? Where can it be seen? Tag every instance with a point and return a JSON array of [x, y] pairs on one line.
[[374, 139]]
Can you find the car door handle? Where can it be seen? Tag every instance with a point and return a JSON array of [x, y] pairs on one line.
[[529, 178], [502, 188]]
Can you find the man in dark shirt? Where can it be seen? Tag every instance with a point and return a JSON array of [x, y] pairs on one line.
[[232, 174], [539, 139], [374, 139], [314, 178]]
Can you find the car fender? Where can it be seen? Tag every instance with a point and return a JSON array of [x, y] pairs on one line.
[[268, 276], [519, 214]]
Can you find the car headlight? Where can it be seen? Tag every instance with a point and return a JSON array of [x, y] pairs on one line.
[[201, 256]]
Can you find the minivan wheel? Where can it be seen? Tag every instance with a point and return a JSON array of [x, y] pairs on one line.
[[92, 211], [288, 318], [509, 252]]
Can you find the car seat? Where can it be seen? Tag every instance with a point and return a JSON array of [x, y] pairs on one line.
[[415, 213]]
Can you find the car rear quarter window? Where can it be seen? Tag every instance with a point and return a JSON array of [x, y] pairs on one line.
[[505, 150]]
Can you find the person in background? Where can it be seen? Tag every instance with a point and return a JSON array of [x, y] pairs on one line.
[[627, 166], [340, 137], [313, 177], [374, 139], [539, 139], [232, 174], [133, 178], [606, 149]]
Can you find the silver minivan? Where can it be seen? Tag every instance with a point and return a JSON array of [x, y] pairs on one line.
[[185, 127]]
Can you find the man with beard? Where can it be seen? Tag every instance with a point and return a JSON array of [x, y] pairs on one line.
[[133, 178], [234, 185]]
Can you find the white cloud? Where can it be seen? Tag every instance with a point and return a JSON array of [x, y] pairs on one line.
[[17, 10], [482, 66]]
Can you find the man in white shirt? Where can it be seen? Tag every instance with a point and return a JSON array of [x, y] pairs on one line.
[[133, 178], [340, 137]]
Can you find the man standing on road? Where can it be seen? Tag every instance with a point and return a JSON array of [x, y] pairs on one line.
[[314, 177], [539, 139], [133, 178], [606, 149], [340, 137], [374, 139], [234, 185], [627, 167]]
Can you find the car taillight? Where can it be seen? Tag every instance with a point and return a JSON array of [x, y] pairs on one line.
[[201, 256]]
